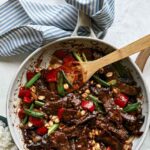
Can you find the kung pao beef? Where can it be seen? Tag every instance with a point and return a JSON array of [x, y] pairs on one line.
[[59, 112]]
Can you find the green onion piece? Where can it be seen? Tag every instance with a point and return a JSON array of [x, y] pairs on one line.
[[52, 128], [112, 82], [33, 80], [102, 82], [26, 117], [38, 103], [94, 98], [64, 76], [132, 107], [84, 57], [60, 85], [34, 113], [77, 56]]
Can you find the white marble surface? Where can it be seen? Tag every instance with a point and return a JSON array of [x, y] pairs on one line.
[[132, 21]]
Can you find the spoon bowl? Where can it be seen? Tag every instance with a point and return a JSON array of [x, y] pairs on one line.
[[90, 67]]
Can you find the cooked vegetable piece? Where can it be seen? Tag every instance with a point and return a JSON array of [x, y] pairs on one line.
[[77, 56], [27, 100], [65, 78], [68, 60], [24, 92], [34, 113], [60, 86], [102, 82], [120, 69], [84, 57], [38, 103], [38, 122], [51, 75], [33, 80], [42, 130], [94, 99], [52, 128], [88, 105], [30, 75], [21, 113], [96, 102], [112, 82], [121, 100], [26, 117], [132, 107]]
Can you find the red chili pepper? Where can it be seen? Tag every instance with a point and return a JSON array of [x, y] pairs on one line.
[[42, 130], [68, 60], [88, 105], [108, 148], [24, 92], [27, 100], [51, 76], [36, 121], [60, 113], [29, 75], [121, 100], [21, 114], [60, 53]]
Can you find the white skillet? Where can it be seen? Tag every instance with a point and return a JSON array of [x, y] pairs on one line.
[[45, 52]]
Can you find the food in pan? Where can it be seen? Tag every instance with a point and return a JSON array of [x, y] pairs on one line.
[[59, 112]]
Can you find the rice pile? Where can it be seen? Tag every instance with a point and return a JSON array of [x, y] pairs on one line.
[[6, 142]]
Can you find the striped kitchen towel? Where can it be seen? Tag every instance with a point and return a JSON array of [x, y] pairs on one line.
[[26, 25]]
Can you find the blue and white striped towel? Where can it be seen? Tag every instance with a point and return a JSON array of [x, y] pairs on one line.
[[26, 25]]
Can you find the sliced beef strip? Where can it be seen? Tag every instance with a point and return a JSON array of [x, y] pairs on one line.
[[71, 132], [69, 115], [73, 99], [128, 117], [85, 118], [82, 143], [99, 91], [134, 126], [53, 106], [113, 114], [42, 89], [59, 141], [128, 89], [108, 127]]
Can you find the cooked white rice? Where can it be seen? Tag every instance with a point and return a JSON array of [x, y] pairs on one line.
[[6, 142]]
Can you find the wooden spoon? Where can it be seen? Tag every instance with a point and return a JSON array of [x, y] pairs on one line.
[[90, 67]]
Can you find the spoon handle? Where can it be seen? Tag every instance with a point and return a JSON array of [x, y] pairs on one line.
[[122, 53], [142, 58]]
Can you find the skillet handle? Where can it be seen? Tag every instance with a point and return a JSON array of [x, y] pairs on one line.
[[142, 58], [83, 21]]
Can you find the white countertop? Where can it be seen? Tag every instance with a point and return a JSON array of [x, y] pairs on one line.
[[132, 21]]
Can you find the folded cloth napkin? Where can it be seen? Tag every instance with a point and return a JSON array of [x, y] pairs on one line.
[[26, 25]]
